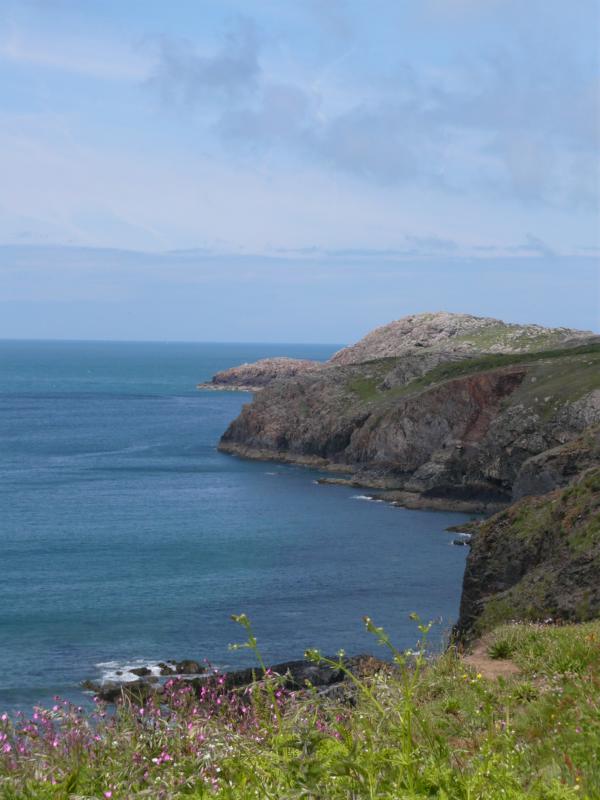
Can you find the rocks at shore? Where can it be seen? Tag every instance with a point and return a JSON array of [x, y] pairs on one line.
[[296, 675], [254, 377]]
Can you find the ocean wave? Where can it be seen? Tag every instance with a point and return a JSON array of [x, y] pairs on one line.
[[120, 671]]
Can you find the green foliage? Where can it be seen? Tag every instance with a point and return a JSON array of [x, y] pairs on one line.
[[365, 388], [500, 649], [422, 728]]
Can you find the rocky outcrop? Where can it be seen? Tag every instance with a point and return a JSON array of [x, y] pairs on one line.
[[558, 466], [295, 675], [538, 559], [459, 333], [254, 377]]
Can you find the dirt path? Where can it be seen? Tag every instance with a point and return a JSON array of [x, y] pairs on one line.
[[490, 668]]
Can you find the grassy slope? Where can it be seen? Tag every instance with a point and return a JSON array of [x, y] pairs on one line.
[[564, 375], [442, 730]]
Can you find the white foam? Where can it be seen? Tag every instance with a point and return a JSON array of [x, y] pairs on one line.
[[367, 497], [120, 671]]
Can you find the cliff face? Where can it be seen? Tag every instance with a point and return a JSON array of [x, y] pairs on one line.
[[540, 558], [558, 466], [462, 428]]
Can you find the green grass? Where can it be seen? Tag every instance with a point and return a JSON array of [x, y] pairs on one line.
[[506, 336], [365, 388], [425, 729], [561, 374], [471, 366]]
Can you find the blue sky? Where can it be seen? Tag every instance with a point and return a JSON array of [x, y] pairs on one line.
[[335, 163]]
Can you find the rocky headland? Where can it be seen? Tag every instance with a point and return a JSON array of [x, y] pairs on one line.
[[254, 377], [445, 411]]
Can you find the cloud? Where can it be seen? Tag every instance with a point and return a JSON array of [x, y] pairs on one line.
[[185, 77], [334, 17], [518, 122]]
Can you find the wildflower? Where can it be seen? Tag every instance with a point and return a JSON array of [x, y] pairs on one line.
[[108, 794]]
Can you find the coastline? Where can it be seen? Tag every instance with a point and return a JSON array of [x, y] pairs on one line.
[[385, 490], [215, 387]]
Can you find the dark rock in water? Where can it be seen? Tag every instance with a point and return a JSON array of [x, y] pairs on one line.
[[136, 691], [188, 667], [140, 671], [461, 542], [165, 669], [296, 675], [302, 673]]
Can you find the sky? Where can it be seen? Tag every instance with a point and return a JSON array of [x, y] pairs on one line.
[[262, 170]]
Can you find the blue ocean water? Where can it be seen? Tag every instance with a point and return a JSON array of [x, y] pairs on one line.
[[125, 535]]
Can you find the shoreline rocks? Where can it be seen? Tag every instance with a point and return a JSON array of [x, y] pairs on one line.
[[296, 675]]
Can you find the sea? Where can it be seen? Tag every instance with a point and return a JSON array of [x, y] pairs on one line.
[[127, 538]]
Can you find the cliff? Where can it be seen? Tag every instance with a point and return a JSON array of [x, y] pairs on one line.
[[436, 426], [538, 559]]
